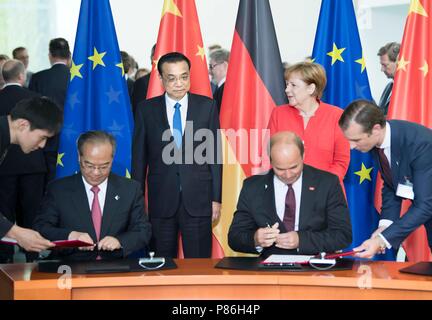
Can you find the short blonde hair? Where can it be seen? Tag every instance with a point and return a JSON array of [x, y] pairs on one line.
[[310, 73]]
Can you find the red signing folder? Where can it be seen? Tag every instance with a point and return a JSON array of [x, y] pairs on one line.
[[59, 244]]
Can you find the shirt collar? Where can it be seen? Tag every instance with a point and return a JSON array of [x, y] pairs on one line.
[[221, 82], [387, 137], [171, 102], [12, 84], [88, 186], [281, 183]]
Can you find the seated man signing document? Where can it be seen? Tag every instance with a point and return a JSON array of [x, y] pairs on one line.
[[293, 209], [95, 206]]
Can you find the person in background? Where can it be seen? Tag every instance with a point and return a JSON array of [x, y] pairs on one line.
[[22, 55], [388, 56]]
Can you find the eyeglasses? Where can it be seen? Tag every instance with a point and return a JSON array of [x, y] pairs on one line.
[[212, 66], [173, 79], [87, 166]]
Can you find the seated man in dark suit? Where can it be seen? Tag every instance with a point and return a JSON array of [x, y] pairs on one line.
[[95, 206], [293, 209]]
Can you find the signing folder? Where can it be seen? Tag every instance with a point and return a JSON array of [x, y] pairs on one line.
[[59, 244]]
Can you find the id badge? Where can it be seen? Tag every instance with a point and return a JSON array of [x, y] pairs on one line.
[[405, 190]]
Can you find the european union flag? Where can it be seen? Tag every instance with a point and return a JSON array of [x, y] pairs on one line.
[[97, 97], [338, 49]]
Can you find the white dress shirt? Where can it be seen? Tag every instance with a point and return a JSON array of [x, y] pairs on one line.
[[386, 145], [170, 103], [101, 195], [280, 194]]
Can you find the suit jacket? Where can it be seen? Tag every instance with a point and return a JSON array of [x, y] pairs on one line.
[[324, 224], [385, 98], [65, 208], [139, 91], [217, 96], [52, 83], [411, 159], [16, 161], [200, 183], [5, 224]]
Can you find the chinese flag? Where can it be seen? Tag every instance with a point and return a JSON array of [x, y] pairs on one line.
[[412, 95], [179, 30], [254, 86]]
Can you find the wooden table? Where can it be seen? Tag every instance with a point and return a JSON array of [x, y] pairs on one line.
[[198, 279]]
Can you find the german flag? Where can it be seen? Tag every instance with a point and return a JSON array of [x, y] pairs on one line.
[[254, 86]]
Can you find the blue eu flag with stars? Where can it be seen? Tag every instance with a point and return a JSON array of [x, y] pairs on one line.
[[97, 96], [338, 49]]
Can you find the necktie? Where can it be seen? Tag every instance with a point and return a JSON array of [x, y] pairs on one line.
[[96, 212], [290, 208], [385, 167], [177, 125]]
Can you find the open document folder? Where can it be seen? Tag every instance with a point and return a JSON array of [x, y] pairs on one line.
[[323, 260], [59, 244]]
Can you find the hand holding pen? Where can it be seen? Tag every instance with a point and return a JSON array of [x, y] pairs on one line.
[[265, 237]]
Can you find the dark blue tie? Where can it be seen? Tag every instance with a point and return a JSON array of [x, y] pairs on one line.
[[177, 125]]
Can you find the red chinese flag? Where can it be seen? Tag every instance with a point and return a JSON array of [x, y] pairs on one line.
[[180, 31], [254, 86], [412, 95]]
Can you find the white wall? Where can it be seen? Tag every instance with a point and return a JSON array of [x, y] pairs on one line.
[[137, 24]]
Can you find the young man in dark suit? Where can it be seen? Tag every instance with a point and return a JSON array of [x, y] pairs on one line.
[[30, 123], [184, 193], [403, 151], [293, 209], [95, 206], [22, 176]]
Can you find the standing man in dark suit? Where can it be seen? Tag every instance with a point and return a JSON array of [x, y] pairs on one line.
[[22, 176], [403, 151], [140, 88], [293, 209], [127, 61], [30, 123], [388, 60], [175, 145], [218, 68], [22, 55], [95, 205], [53, 83]]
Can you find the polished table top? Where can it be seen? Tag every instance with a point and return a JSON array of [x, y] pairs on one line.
[[382, 274]]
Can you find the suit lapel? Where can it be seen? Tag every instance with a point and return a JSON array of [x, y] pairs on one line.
[[110, 206], [309, 188], [160, 113], [81, 204]]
